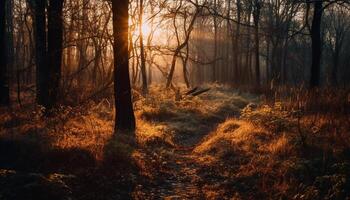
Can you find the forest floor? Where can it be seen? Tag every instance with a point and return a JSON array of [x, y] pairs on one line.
[[223, 144]]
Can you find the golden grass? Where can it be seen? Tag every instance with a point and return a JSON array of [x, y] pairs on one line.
[[277, 149], [274, 151]]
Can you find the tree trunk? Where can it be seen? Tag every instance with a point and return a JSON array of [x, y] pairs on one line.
[[184, 64], [10, 37], [336, 52], [256, 17], [215, 43], [83, 41], [4, 88], [54, 49], [228, 43], [316, 44], [42, 79], [179, 48], [142, 52], [237, 45], [125, 119], [267, 61], [245, 74]]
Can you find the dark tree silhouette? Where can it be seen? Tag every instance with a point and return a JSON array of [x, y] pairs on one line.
[[42, 79], [256, 18], [48, 49], [125, 119], [54, 48], [4, 88], [316, 44]]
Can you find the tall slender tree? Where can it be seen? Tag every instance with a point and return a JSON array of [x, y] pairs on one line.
[[142, 50], [125, 119], [316, 44], [215, 21], [256, 19], [4, 88]]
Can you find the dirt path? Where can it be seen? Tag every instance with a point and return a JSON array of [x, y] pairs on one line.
[[178, 179], [174, 172], [177, 176]]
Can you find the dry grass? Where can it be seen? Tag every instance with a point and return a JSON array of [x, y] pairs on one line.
[[77, 143], [249, 155], [295, 146], [277, 151], [89, 128], [160, 117]]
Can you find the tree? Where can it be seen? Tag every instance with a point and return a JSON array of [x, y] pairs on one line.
[[181, 45], [48, 49], [125, 119], [316, 44], [42, 79], [316, 39], [4, 88], [256, 19], [142, 51], [337, 25], [215, 23], [236, 41], [54, 49]]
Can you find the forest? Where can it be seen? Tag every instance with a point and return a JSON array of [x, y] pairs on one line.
[[174, 99]]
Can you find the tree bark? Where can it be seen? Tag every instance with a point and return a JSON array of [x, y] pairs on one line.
[[316, 44], [237, 45], [125, 119], [256, 17], [142, 52], [4, 88], [54, 49], [10, 37], [214, 65], [184, 64], [42, 80]]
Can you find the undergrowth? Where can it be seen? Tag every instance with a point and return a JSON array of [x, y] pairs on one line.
[[294, 146], [284, 144]]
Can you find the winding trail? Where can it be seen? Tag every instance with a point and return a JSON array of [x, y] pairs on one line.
[[174, 172], [176, 178]]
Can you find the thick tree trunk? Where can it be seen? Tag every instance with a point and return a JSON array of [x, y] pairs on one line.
[[4, 88], [316, 44], [125, 119], [54, 49], [42, 78]]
